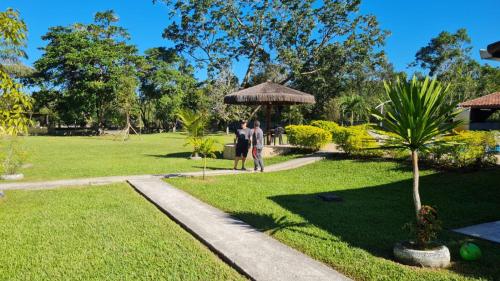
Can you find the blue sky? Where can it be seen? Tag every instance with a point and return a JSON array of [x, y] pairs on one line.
[[412, 22]]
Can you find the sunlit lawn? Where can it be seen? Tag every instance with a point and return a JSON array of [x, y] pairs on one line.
[[356, 236], [75, 157], [98, 233]]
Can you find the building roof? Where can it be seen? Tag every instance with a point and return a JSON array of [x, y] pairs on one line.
[[269, 93], [488, 101]]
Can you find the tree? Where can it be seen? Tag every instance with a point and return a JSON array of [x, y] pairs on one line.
[[417, 113], [194, 123], [14, 105], [167, 85], [354, 105], [126, 101], [448, 57], [215, 90], [83, 65], [291, 34], [207, 147]]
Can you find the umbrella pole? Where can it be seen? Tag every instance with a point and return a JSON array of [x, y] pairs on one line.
[[268, 124]]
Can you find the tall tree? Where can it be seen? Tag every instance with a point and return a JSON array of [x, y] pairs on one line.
[[167, 85], [447, 56], [417, 113], [289, 33], [83, 65]]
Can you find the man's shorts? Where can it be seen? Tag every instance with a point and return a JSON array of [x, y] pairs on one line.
[[242, 149]]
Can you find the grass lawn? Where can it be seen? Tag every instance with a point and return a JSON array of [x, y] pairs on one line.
[[356, 236], [98, 233], [75, 157]]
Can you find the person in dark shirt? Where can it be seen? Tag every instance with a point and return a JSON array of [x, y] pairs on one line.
[[242, 145]]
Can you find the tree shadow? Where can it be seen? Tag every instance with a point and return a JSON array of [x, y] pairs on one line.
[[214, 168], [272, 224], [184, 155], [371, 218]]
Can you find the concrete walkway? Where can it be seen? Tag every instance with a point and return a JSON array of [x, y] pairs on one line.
[[254, 253], [287, 165], [488, 231]]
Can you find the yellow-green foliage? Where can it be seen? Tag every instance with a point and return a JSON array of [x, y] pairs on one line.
[[464, 149], [329, 126], [308, 136], [355, 140]]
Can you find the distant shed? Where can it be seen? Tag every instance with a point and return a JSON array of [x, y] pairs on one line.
[[477, 111]]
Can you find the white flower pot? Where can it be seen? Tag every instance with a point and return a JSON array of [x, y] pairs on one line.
[[12, 177], [437, 257]]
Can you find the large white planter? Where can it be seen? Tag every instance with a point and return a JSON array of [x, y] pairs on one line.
[[12, 177], [438, 257]]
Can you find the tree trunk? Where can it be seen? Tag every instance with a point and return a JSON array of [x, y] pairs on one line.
[[204, 166], [352, 118], [416, 176], [268, 124]]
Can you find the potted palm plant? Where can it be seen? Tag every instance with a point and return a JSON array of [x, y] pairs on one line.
[[417, 112]]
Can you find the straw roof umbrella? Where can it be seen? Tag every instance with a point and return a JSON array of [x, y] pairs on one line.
[[492, 52], [269, 94]]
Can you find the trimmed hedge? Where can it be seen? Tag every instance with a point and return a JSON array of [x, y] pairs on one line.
[[464, 149], [354, 140], [460, 150], [309, 137], [326, 125]]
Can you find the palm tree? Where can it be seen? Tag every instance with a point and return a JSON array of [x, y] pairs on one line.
[[354, 104], [194, 124], [418, 111]]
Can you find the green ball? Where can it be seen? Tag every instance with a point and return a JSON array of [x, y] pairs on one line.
[[470, 251]]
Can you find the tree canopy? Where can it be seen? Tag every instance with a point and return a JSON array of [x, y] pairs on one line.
[[82, 66], [14, 104]]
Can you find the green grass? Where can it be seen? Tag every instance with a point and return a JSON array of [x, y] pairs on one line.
[[356, 236], [98, 233], [74, 157]]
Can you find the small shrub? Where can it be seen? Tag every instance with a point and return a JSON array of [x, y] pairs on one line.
[[463, 149], [309, 137], [12, 155], [426, 227]]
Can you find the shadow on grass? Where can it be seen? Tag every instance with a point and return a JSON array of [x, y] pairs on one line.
[[273, 224], [371, 218], [214, 168], [184, 155]]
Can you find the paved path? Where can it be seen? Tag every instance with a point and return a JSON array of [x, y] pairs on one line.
[[287, 165], [256, 254]]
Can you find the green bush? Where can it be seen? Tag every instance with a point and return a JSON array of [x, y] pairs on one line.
[[463, 149], [356, 140], [329, 126], [309, 137]]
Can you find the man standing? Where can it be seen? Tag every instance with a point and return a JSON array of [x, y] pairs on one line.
[[257, 146], [242, 145]]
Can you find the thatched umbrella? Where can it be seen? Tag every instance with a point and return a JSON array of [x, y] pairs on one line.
[[492, 52], [269, 94]]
